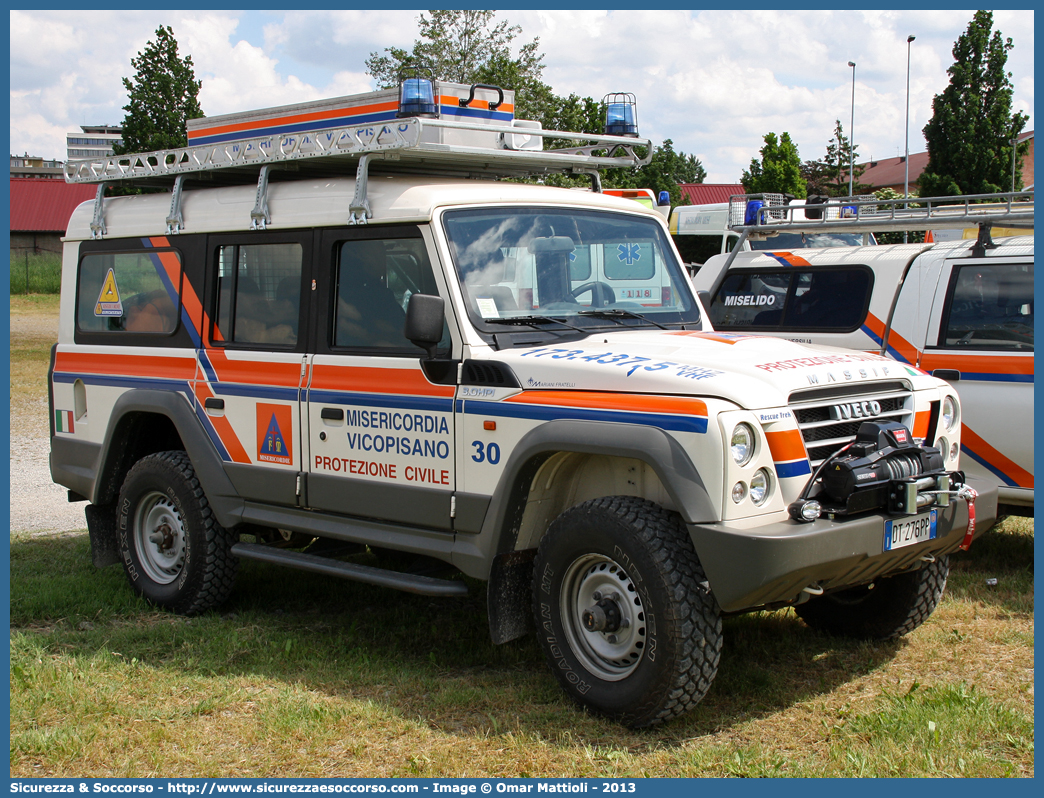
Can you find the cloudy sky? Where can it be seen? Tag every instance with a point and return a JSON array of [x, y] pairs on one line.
[[713, 81]]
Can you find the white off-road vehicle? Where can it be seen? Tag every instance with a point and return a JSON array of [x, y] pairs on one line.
[[358, 335]]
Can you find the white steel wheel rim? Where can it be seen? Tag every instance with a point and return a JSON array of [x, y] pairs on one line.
[[159, 537], [614, 654]]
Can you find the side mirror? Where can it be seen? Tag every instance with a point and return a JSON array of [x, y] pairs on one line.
[[425, 318]]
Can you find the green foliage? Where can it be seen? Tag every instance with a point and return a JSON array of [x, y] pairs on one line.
[[779, 169], [472, 47], [898, 237], [970, 133], [163, 96], [829, 176]]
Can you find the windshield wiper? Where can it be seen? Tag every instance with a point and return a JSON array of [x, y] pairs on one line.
[[532, 321], [616, 313]]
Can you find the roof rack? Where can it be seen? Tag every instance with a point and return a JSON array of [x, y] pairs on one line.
[[761, 215], [868, 214]]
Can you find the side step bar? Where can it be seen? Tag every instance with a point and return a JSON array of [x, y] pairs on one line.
[[410, 583]]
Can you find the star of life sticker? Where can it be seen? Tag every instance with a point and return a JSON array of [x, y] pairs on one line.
[[109, 303]]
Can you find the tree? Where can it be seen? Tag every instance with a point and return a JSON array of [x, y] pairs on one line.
[[829, 176], [665, 171], [896, 236], [970, 133], [779, 169], [162, 97]]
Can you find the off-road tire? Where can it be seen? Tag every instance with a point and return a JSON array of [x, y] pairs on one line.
[[189, 567], [663, 662], [886, 609]]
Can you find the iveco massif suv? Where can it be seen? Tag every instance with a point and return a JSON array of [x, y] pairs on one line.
[[514, 380]]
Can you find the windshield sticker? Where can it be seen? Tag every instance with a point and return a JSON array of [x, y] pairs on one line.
[[635, 362], [487, 307], [109, 303]]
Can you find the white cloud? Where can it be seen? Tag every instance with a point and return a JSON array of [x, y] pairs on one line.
[[714, 82]]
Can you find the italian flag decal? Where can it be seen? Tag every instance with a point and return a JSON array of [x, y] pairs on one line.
[[63, 421]]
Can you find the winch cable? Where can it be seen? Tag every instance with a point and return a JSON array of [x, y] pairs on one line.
[[812, 480]]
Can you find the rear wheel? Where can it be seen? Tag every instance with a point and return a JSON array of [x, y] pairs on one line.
[[174, 551], [884, 609], [623, 610]]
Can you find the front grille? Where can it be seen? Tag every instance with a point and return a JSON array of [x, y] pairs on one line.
[[829, 419]]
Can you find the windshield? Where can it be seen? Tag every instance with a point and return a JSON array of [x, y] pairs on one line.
[[585, 268], [809, 241]]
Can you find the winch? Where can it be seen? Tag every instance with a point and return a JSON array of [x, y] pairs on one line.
[[884, 468]]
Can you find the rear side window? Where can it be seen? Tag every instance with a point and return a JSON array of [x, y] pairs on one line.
[[793, 299], [259, 294], [990, 306], [136, 292]]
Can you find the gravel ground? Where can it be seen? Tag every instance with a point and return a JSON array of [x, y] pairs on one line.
[[37, 504]]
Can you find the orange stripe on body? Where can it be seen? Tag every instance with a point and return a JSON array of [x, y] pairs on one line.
[[786, 445], [986, 364], [790, 257], [977, 444], [169, 368], [376, 380], [920, 427], [223, 427], [334, 113], [710, 336], [614, 401], [255, 372]]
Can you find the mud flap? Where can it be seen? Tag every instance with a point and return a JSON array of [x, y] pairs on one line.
[[101, 526], [508, 595]]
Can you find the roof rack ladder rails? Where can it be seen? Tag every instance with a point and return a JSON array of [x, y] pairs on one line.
[[175, 221], [260, 218], [98, 223], [360, 206]]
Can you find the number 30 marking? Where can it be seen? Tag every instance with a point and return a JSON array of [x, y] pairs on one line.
[[490, 453]]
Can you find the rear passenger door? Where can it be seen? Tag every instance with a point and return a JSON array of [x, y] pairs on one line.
[[982, 342], [253, 359], [380, 428]]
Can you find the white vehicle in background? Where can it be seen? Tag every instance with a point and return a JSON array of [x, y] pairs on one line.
[[703, 231], [961, 310]]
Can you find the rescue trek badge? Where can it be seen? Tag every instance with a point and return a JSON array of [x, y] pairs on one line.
[[275, 434], [108, 303]]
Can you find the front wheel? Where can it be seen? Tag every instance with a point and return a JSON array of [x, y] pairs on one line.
[[174, 551], [887, 608], [623, 611]]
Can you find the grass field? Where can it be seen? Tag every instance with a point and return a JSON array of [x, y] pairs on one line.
[[300, 675], [42, 272]]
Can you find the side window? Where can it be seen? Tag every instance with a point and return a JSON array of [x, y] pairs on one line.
[[129, 292], [375, 280], [259, 294], [831, 299], [990, 307]]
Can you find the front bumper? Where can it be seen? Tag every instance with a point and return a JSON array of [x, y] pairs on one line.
[[751, 568]]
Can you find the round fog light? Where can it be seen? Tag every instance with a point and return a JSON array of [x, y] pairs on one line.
[[806, 510], [954, 449], [759, 486], [739, 492]]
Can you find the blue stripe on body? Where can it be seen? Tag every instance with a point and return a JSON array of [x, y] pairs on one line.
[[673, 422]]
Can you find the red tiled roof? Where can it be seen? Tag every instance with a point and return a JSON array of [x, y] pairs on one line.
[[706, 193], [44, 206], [892, 171]]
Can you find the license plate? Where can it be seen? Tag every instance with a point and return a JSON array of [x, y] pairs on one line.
[[908, 531]]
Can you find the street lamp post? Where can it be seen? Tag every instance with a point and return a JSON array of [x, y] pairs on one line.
[[1014, 147], [851, 136], [906, 160]]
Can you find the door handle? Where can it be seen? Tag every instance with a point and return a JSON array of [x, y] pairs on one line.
[[213, 403], [951, 375], [332, 413]]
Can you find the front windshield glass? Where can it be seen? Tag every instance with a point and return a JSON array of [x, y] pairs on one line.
[[808, 241], [585, 268]]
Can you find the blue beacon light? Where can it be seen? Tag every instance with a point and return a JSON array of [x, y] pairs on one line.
[[416, 98]]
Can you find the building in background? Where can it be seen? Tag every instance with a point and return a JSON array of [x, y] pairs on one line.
[[40, 211], [94, 141], [33, 166]]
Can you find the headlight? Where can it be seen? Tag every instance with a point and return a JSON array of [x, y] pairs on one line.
[[759, 486], [742, 444], [950, 414]]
